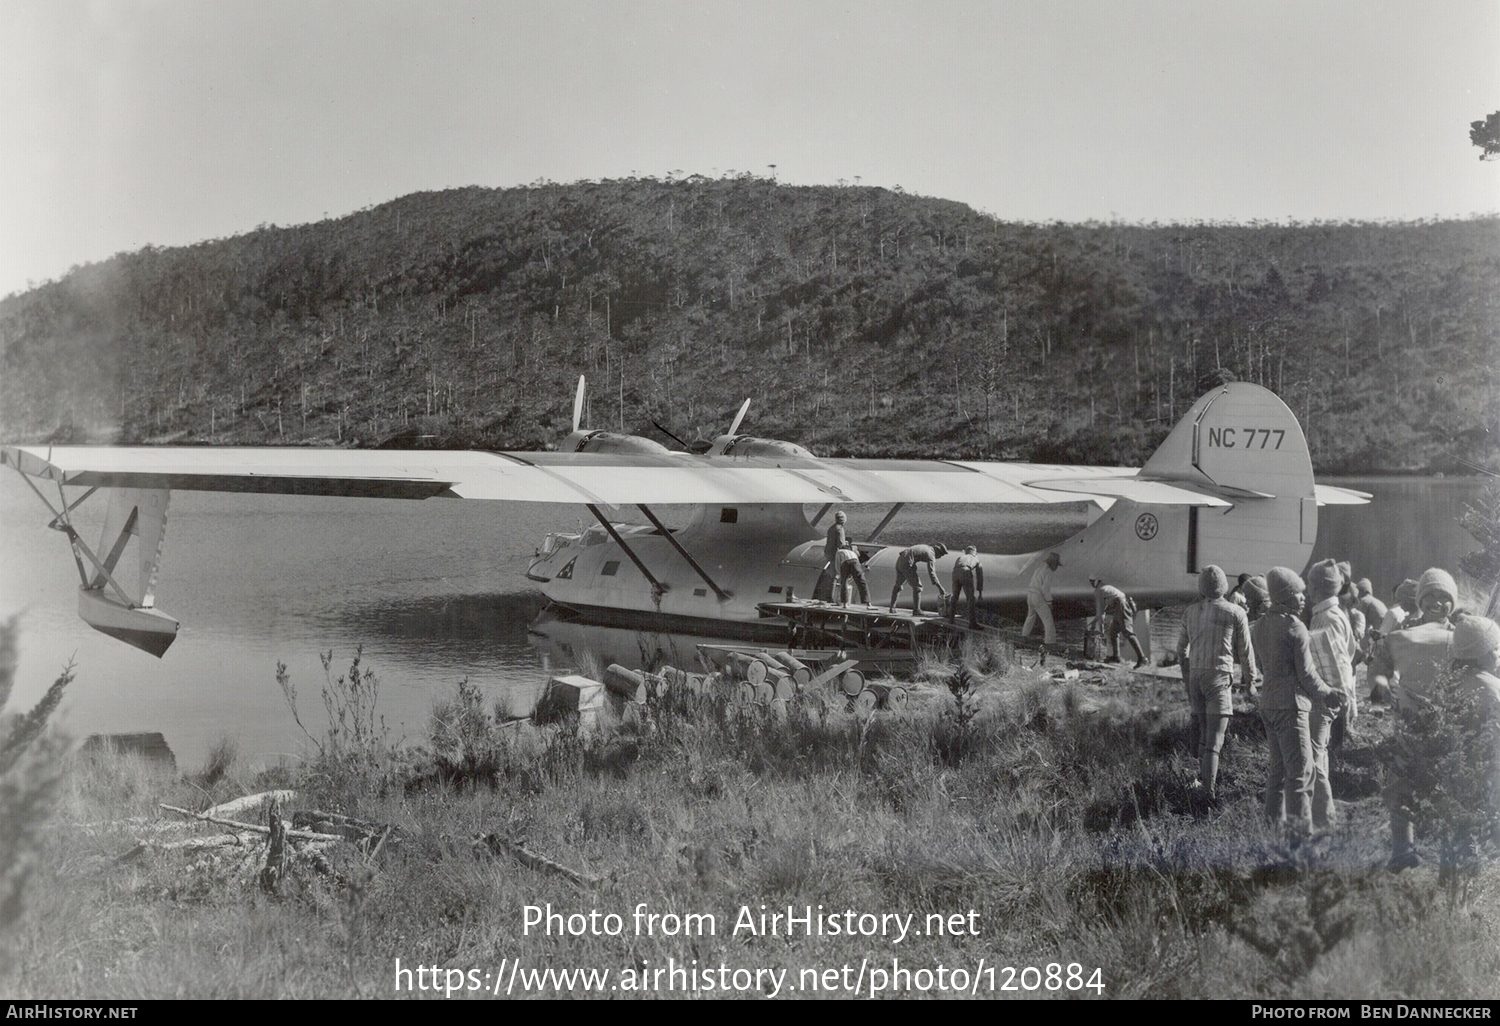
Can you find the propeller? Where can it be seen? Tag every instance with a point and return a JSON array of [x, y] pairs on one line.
[[578, 404], [734, 428], [583, 440]]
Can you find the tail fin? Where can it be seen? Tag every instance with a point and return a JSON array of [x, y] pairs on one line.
[[1241, 443], [1240, 440]]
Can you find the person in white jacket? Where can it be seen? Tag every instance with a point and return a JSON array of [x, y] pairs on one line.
[[1039, 600]]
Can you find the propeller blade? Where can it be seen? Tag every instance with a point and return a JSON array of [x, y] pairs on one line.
[[735, 427], [578, 404]]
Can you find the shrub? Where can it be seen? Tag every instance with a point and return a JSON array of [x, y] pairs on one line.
[[1445, 774], [30, 770]]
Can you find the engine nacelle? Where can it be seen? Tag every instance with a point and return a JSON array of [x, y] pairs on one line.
[[749, 445], [610, 441]]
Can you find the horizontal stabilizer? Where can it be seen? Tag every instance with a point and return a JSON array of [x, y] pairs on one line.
[[1133, 488], [1330, 495]]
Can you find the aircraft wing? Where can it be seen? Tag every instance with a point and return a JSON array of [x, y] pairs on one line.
[[601, 478]]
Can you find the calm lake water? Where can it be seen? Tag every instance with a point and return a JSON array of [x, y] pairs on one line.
[[435, 592]]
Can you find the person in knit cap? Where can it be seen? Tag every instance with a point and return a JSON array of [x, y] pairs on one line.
[[1215, 635], [1408, 659], [1476, 657], [1237, 593], [1403, 605], [1257, 597], [1476, 652], [1372, 607], [1332, 641], [1284, 653], [1405, 664]]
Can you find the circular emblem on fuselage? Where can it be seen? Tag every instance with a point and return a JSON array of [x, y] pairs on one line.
[[1145, 526]]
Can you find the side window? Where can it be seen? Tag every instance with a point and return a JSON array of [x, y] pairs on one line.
[[729, 515], [610, 568]]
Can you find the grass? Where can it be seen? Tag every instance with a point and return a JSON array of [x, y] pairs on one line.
[[1059, 814]]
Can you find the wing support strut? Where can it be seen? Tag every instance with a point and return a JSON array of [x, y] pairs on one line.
[[882, 525], [822, 513], [656, 586], [61, 522], [724, 596]]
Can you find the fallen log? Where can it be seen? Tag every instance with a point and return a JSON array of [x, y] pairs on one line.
[[201, 843], [254, 828], [239, 806], [497, 845]]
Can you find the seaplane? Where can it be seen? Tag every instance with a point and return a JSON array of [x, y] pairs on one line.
[[1232, 485]]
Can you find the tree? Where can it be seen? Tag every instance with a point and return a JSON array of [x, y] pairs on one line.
[[1486, 135]]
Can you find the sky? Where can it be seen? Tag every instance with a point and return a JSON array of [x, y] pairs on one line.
[[166, 122]]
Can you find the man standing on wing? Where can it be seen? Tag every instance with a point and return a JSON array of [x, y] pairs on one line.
[[906, 572], [968, 577], [848, 565], [837, 539], [1215, 635]]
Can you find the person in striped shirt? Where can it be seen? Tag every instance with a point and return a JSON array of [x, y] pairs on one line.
[[1331, 637], [1283, 652], [1215, 635]]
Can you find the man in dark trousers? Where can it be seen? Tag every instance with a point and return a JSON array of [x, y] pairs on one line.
[[968, 578], [906, 572], [1114, 612]]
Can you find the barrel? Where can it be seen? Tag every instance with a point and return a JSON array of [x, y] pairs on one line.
[[626, 683], [852, 682], [751, 669], [800, 671], [786, 688], [891, 696], [735, 692], [865, 702], [765, 693]]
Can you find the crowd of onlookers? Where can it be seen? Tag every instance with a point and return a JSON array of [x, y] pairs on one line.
[[1299, 644]]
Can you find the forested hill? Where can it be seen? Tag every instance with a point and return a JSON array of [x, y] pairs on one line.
[[862, 321]]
